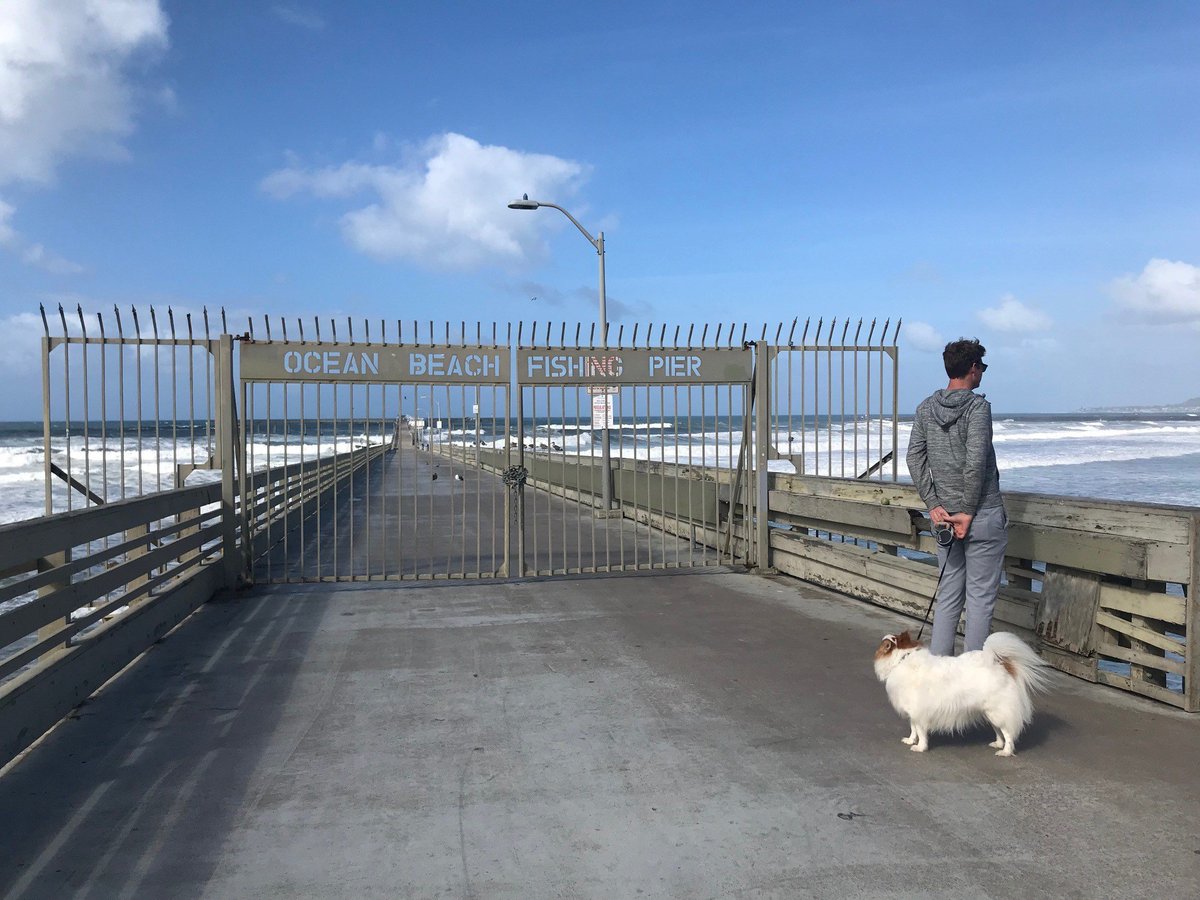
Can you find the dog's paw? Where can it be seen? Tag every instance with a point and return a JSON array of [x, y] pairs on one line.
[[909, 740], [996, 744], [919, 748], [1006, 751]]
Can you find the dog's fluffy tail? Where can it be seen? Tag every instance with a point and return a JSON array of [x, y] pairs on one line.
[[1032, 673]]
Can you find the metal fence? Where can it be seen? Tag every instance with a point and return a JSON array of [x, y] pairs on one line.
[[370, 450]]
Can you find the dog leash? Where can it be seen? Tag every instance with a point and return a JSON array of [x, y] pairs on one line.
[[933, 599]]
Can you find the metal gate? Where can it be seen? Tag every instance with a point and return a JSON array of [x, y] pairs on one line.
[[378, 461]]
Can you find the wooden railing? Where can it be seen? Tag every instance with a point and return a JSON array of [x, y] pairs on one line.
[[1108, 587], [109, 581]]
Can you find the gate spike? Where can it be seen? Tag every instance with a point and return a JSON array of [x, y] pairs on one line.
[[858, 330], [82, 325], [691, 328], [154, 322], [350, 327], [732, 325], [621, 336], [120, 327], [578, 328], [548, 326], [832, 325], [662, 333], [137, 325], [778, 332], [447, 333], [562, 334], [871, 333], [792, 333], [883, 336], [717, 339], [171, 319], [635, 331], [432, 339], [845, 328], [520, 330], [383, 330], [100, 322], [224, 324], [203, 309], [592, 335], [45, 324], [508, 340], [317, 327], [300, 328], [189, 321], [804, 336], [367, 326], [817, 336], [267, 325], [250, 326], [896, 335], [764, 333], [283, 328], [62, 315], [333, 328], [703, 336], [416, 333]]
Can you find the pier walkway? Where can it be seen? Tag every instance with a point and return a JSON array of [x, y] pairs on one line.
[[687, 735]]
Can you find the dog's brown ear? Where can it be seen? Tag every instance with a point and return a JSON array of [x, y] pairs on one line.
[[904, 641]]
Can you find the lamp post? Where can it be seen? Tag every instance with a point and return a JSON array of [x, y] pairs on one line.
[[598, 243]]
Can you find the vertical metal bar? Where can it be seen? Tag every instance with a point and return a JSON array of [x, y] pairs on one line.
[[87, 415], [867, 417], [246, 525], [857, 331], [47, 472], [519, 499], [120, 395], [225, 433], [762, 424], [895, 354], [103, 410], [287, 487], [882, 338], [367, 477], [829, 400], [842, 386], [157, 406], [67, 400], [662, 470]]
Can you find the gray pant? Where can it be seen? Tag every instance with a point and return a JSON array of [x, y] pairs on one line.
[[971, 579]]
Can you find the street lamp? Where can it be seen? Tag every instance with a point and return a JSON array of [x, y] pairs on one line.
[[598, 243]]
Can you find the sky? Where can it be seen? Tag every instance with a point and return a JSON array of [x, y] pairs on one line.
[[1024, 173]]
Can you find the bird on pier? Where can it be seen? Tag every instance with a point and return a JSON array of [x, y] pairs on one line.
[[434, 477], [458, 476]]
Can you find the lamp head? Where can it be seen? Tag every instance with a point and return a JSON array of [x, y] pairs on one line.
[[524, 203]]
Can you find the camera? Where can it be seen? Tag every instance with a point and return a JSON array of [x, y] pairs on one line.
[[943, 533]]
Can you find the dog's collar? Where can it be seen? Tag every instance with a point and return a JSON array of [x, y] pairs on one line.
[[905, 655]]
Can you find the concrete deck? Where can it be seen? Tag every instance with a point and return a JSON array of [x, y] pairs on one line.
[[696, 735]]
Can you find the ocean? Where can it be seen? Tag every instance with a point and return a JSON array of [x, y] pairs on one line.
[[1144, 458]]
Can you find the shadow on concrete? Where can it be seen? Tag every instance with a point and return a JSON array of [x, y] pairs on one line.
[[135, 792]]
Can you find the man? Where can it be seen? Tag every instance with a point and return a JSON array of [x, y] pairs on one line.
[[953, 464]]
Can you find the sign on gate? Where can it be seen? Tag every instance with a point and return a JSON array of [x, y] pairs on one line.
[[569, 366], [276, 361], [602, 411]]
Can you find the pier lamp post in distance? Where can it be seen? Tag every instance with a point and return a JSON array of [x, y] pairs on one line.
[[598, 243]]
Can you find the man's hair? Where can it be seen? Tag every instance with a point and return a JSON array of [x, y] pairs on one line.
[[960, 355]]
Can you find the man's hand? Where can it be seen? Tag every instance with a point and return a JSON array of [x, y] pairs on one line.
[[938, 514], [961, 523]]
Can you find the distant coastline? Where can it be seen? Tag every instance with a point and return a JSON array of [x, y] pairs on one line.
[[1187, 406]]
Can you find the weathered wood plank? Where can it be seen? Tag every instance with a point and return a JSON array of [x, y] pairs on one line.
[[1191, 677], [1146, 635], [1084, 667], [895, 519], [1166, 607], [1067, 614], [1137, 657], [1140, 687]]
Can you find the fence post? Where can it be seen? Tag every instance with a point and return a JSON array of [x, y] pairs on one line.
[[762, 445], [227, 442], [1191, 678]]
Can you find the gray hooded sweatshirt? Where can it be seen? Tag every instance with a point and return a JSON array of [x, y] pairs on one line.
[[950, 454]]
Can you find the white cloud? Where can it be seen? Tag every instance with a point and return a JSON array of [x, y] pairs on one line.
[[63, 86], [445, 206], [922, 336], [64, 92], [299, 16], [1166, 291], [1014, 317], [7, 235]]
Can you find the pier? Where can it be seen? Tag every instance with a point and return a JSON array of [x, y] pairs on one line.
[[310, 667]]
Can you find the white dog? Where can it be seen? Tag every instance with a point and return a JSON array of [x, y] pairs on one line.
[[950, 693]]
